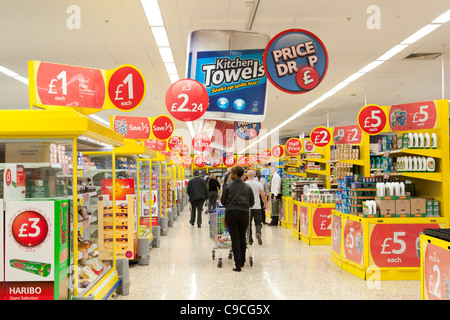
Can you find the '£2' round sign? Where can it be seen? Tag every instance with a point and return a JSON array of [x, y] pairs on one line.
[[320, 137]]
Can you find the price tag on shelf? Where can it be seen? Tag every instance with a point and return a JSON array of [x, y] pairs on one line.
[[187, 100], [320, 137], [372, 119]]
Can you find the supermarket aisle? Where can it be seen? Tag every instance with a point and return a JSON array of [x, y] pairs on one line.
[[284, 269]]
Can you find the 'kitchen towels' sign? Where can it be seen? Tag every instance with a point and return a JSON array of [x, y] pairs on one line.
[[230, 66]]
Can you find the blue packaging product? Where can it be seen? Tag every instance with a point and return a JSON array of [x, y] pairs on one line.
[[229, 64]]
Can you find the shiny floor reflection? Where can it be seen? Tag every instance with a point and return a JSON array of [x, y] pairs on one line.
[[284, 269]]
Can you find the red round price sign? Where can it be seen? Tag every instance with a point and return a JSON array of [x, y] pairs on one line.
[[200, 142], [277, 151], [187, 100], [309, 147], [266, 154], [320, 137], [230, 161], [200, 161], [29, 228], [175, 143], [126, 88], [372, 119], [162, 127], [294, 146]]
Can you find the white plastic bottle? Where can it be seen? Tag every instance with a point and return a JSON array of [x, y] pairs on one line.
[[410, 141], [431, 164], [427, 142], [416, 140], [433, 141], [415, 168], [402, 189], [424, 164], [421, 141]]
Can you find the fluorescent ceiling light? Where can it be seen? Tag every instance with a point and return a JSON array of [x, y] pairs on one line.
[[152, 12], [160, 35], [191, 128], [166, 54], [420, 34], [171, 68], [392, 52], [174, 78], [97, 118], [443, 18], [354, 76], [371, 66], [8, 72]]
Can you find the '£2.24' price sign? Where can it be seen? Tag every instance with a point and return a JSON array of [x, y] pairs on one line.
[[187, 100]]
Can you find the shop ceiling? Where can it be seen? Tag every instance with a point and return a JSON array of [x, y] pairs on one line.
[[116, 32]]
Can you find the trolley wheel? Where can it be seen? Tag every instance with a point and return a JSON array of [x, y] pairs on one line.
[[230, 255], [213, 254], [219, 264], [251, 261]]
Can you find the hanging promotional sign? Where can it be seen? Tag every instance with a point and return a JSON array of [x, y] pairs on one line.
[[57, 85], [187, 100], [347, 135], [137, 128], [221, 133], [295, 61], [229, 161], [247, 130], [413, 116], [293, 146], [320, 137], [266, 154], [200, 161], [277, 151], [372, 119], [155, 144], [229, 64], [175, 143], [308, 146], [200, 142], [162, 127]]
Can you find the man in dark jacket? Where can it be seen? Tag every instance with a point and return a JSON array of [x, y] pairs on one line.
[[198, 193]]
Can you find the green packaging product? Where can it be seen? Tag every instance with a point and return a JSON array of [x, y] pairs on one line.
[[405, 141], [40, 268], [429, 207], [436, 208]]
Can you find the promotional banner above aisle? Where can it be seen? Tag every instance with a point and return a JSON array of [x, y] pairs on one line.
[[295, 61], [320, 137], [88, 90], [229, 64], [413, 116], [372, 119], [137, 128], [293, 147], [347, 135], [247, 130]]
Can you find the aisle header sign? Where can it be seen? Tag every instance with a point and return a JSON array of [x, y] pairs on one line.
[[88, 89], [295, 61], [138, 128]]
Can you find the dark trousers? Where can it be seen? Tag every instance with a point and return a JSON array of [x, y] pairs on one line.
[[255, 214], [237, 222], [275, 209], [212, 200], [196, 205], [263, 210]]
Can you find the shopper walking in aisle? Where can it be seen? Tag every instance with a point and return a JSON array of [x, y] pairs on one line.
[[256, 210], [237, 198], [263, 182], [198, 193], [275, 190], [213, 192], [225, 178]]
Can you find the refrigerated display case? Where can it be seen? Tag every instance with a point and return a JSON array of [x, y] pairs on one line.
[[50, 229]]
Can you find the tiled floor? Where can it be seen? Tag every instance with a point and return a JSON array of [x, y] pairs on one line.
[[284, 269]]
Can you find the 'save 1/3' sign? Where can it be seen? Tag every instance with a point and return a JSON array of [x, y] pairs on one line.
[[187, 100]]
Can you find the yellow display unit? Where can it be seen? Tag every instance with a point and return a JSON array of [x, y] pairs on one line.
[[79, 134], [312, 222]]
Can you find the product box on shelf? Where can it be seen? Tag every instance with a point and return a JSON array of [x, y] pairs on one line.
[[403, 208], [386, 208], [14, 181], [28, 152], [37, 249], [418, 207]]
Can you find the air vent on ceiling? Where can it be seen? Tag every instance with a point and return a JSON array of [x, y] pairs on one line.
[[423, 56]]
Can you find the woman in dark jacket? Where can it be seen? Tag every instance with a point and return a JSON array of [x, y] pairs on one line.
[[213, 192], [237, 198]]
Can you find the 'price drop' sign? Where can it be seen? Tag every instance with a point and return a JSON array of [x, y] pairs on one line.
[[372, 119], [187, 100], [320, 137]]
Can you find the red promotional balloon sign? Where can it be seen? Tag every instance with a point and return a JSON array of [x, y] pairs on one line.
[[320, 137], [126, 88], [372, 119], [266, 154], [162, 127], [200, 142], [230, 161], [187, 100], [200, 161], [175, 143], [294, 145]]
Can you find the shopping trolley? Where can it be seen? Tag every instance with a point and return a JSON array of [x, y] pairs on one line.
[[221, 237]]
